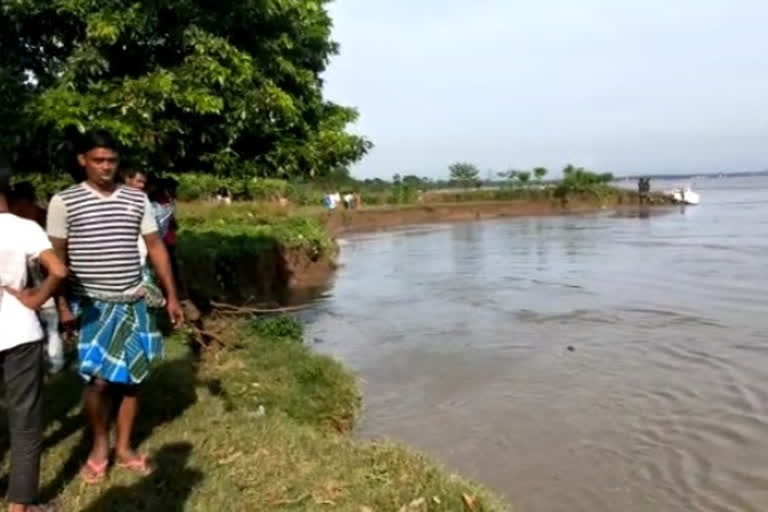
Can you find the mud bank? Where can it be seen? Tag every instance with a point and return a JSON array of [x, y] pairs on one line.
[[254, 274], [341, 222]]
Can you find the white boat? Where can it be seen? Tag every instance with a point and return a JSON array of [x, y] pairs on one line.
[[684, 195]]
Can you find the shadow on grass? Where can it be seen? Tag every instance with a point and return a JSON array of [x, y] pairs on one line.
[[170, 390], [167, 489]]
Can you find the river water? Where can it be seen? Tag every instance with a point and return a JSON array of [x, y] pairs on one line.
[[603, 362]]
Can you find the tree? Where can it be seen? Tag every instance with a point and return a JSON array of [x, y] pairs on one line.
[[524, 177], [509, 174], [540, 173], [232, 87], [464, 174], [397, 179], [411, 180]]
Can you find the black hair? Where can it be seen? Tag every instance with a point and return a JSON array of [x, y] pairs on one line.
[[131, 172], [5, 176], [96, 139], [171, 184], [24, 191]]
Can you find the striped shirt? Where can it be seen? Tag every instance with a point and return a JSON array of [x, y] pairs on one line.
[[101, 234]]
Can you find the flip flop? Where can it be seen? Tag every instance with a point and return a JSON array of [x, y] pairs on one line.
[[44, 507], [140, 465], [93, 472]]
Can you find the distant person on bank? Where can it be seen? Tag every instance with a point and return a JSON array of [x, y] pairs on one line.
[[95, 225], [21, 350]]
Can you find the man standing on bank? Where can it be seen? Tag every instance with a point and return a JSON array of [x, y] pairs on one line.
[[95, 224]]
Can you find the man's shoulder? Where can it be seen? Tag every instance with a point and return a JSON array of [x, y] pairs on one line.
[[138, 197], [20, 224], [71, 192]]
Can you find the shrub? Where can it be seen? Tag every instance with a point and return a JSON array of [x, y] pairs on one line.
[[283, 326]]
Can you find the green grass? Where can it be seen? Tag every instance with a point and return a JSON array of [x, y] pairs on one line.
[[252, 428], [247, 251], [284, 228]]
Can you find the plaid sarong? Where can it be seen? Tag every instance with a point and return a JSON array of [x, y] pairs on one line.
[[118, 340]]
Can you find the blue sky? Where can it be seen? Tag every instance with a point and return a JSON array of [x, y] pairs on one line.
[[616, 85]]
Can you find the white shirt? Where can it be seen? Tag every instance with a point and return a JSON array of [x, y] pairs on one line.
[[21, 242]]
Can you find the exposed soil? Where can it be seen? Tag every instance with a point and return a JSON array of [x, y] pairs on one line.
[[344, 221], [263, 277]]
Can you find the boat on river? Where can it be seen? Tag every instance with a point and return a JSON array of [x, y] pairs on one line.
[[684, 195]]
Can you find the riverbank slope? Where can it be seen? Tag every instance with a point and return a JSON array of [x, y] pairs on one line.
[[257, 426]]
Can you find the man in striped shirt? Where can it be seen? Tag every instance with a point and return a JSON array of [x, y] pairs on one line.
[[95, 225]]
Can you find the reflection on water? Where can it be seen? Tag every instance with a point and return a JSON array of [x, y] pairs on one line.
[[461, 334]]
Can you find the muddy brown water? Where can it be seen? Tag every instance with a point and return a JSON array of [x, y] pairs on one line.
[[461, 334]]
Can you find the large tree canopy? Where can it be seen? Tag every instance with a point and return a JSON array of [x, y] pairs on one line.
[[228, 86]]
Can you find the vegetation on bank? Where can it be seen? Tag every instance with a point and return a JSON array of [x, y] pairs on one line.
[[464, 186], [248, 252], [258, 426]]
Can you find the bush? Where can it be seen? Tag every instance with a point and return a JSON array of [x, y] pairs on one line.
[[46, 185], [282, 326], [402, 194], [196, 186]]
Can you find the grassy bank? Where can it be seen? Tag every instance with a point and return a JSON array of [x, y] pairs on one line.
[[257, 427], [251, 252]]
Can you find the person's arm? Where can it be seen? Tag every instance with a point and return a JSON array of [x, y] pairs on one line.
[[58, 231], [56, 272], [66, 318], [36, 246], [158, 255]]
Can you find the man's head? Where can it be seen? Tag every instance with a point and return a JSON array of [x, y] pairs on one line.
[[171, 186], [5, 178], [22, 201], [97, 155], [134, 179], [24, 191]]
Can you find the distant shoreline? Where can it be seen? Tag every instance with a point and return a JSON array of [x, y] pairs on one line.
[[343, 221], [715, 175]]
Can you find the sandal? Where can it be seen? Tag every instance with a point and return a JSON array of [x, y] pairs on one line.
[[43, 507], [93, 472], [139, 464]]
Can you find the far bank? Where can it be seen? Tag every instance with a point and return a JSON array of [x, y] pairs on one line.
[[347, 221]]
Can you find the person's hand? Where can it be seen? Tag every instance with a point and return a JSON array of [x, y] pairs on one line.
[[175, 313], [28, 297], [67, 323]]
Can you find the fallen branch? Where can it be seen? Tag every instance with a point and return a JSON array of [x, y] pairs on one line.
[[256, 311]]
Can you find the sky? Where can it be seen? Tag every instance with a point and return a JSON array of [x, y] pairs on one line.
[[619, 86]]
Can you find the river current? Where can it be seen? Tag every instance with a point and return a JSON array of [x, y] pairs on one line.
[[600, 362]]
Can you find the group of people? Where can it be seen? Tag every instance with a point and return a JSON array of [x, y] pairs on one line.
[[350, 201], [105, 271]]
